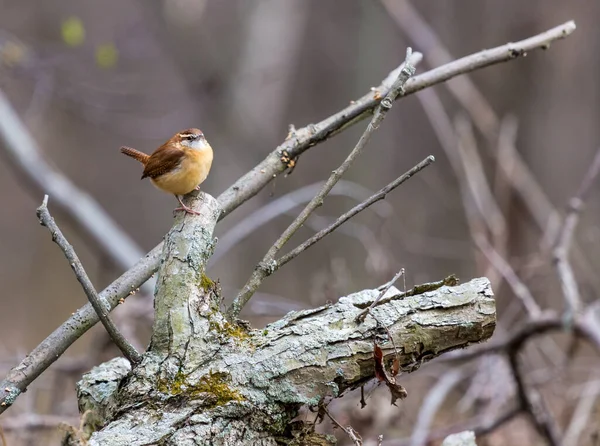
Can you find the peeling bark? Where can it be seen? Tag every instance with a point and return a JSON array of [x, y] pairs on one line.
[[205, 381]]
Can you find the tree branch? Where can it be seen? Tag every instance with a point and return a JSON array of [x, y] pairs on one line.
[[349, 430], [565, 238], [285, 204], [516, 284], [531, 402], [26, 158], [268, 265], [431, 405], [248, 186], [354, 211], [361, 316], [481, 112], [481, 425], [264, 376], [88, 287]]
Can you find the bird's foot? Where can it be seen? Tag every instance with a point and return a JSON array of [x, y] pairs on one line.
[[197, 187], [187, 210]]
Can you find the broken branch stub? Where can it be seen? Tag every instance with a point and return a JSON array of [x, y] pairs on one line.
[[206, 381], [184, 294]]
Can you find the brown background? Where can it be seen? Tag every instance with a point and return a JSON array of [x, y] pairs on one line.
[[243, 71]]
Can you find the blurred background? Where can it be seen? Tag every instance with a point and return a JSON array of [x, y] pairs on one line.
[[88, 77]]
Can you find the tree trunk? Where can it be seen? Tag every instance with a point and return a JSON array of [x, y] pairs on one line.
[[204, 381]]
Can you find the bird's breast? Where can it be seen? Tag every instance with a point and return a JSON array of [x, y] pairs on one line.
[[191, 172]]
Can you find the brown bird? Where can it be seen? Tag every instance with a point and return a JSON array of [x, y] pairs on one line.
[[179, 166]]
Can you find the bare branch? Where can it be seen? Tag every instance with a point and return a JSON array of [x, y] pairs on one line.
[[349, 430], [25, 155], [268, 264], [579, 420], [27, 421], [361, 316], [431, 404], [531, 401], [565, 238], [247, 187], [354, 211], [280, 368], [481, 425], [518, 287], [57, 237], [283, 205], [470, 97]]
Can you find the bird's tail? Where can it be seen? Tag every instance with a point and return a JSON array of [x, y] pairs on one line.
[[135, 154]]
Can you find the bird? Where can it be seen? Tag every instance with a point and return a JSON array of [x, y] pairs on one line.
[[178, 166]]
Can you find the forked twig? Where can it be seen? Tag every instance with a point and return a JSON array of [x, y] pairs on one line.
[[268, 264], [354, 211], [361, 316], [354, 436], [51, 348], [565, 238], [57, 236]]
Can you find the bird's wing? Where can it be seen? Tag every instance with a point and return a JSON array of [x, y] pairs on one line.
[[162, 161]]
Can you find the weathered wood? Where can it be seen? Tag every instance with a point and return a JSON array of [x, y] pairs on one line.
[[205, 381]]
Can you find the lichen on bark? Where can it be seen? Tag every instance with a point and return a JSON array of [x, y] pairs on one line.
[[206, 381]]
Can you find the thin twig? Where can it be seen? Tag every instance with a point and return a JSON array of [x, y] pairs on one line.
[[25, 156], [30, 421], [481, 425], [531, 401], [268, 263], [283, 205], [417, 289], [431, 405], [585, 326], [473, 174], [514, 341], [579, 420], [465, 91], [2, 437], [565, 238], [361, 316], [481, 112], [352, 212], [57, 236], [354, 436], [518, 287], [251, 184]]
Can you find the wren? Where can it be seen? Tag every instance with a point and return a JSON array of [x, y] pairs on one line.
[[178, 166]]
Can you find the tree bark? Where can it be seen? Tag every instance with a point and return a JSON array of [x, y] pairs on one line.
[[205, 381]]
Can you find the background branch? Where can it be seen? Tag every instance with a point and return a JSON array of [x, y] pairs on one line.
[[354, 211], [21, 150], [88, 287], [565, 238], [284, 205], [270, 369], [269, 263], [248, 186]]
